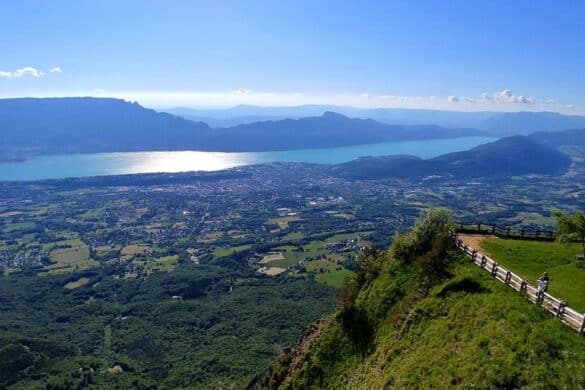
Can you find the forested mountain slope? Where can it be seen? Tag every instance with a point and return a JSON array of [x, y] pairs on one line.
[[509, 156]]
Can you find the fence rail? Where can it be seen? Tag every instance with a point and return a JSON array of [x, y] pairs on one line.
[[554, 305], [507, 232]]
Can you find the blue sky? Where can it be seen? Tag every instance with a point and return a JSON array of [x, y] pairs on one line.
[[462, 55]]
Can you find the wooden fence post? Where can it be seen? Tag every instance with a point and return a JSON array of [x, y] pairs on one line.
[[523, 286], [508, 277], [561, 308], [494, 268], [479, 227], [483, 261]]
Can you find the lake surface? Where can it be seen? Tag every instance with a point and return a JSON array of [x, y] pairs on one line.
[[97, 164]]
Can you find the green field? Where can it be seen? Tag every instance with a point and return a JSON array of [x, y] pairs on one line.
[[530, 259], [72, 243], [13, 227], [163, 264], [71, 259], [218, 253], [334, 278]]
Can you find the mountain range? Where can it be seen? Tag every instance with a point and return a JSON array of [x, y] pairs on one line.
[[84, 125], [495, 123]]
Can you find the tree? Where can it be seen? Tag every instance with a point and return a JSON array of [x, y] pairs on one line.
[[571, 228]]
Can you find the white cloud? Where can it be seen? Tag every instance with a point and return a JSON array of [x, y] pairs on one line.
[[18, 73], [28, 71], [506, 96], [453, 99]]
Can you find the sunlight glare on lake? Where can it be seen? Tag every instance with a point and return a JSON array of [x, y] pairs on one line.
[[151, 162]]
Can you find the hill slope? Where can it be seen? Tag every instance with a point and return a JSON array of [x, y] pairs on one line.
[[421, 316], [561, 138], [515, 155]]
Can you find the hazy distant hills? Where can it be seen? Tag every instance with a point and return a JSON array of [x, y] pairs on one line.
[[575, 137], [243, 114], [517, 155], [530, 122], [496, 123], [328, 130], [80, 125]]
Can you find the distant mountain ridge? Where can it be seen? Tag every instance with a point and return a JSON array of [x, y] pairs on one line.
[[517, 155], [85, 125], [496, 123], [328, 130]]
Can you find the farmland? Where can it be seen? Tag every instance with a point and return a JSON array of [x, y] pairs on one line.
[[202, 276]]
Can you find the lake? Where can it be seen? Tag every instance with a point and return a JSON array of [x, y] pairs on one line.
[[97, 164]]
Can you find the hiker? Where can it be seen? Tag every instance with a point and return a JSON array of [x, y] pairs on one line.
[[542, 286], [543, 282]]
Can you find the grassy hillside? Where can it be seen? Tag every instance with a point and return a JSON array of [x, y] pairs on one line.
[[530, 259], [422, 316]]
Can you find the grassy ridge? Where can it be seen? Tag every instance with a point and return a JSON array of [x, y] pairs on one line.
[[411, 326]]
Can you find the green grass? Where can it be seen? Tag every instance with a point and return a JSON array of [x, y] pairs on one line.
[[334, 278], [218, 253], [14, 227], [73, 243], [290, 258], [92, 215], [71, 259], [470, 332], [293, 236], [163, 264], [530, 259], [321, 264]]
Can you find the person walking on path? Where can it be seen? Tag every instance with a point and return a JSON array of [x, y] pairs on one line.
[[542, 286]]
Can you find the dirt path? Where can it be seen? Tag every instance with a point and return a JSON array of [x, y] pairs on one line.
[[474, 240]]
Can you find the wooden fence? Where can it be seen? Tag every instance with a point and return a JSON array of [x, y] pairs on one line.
[[508, 232], [554, 305]]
